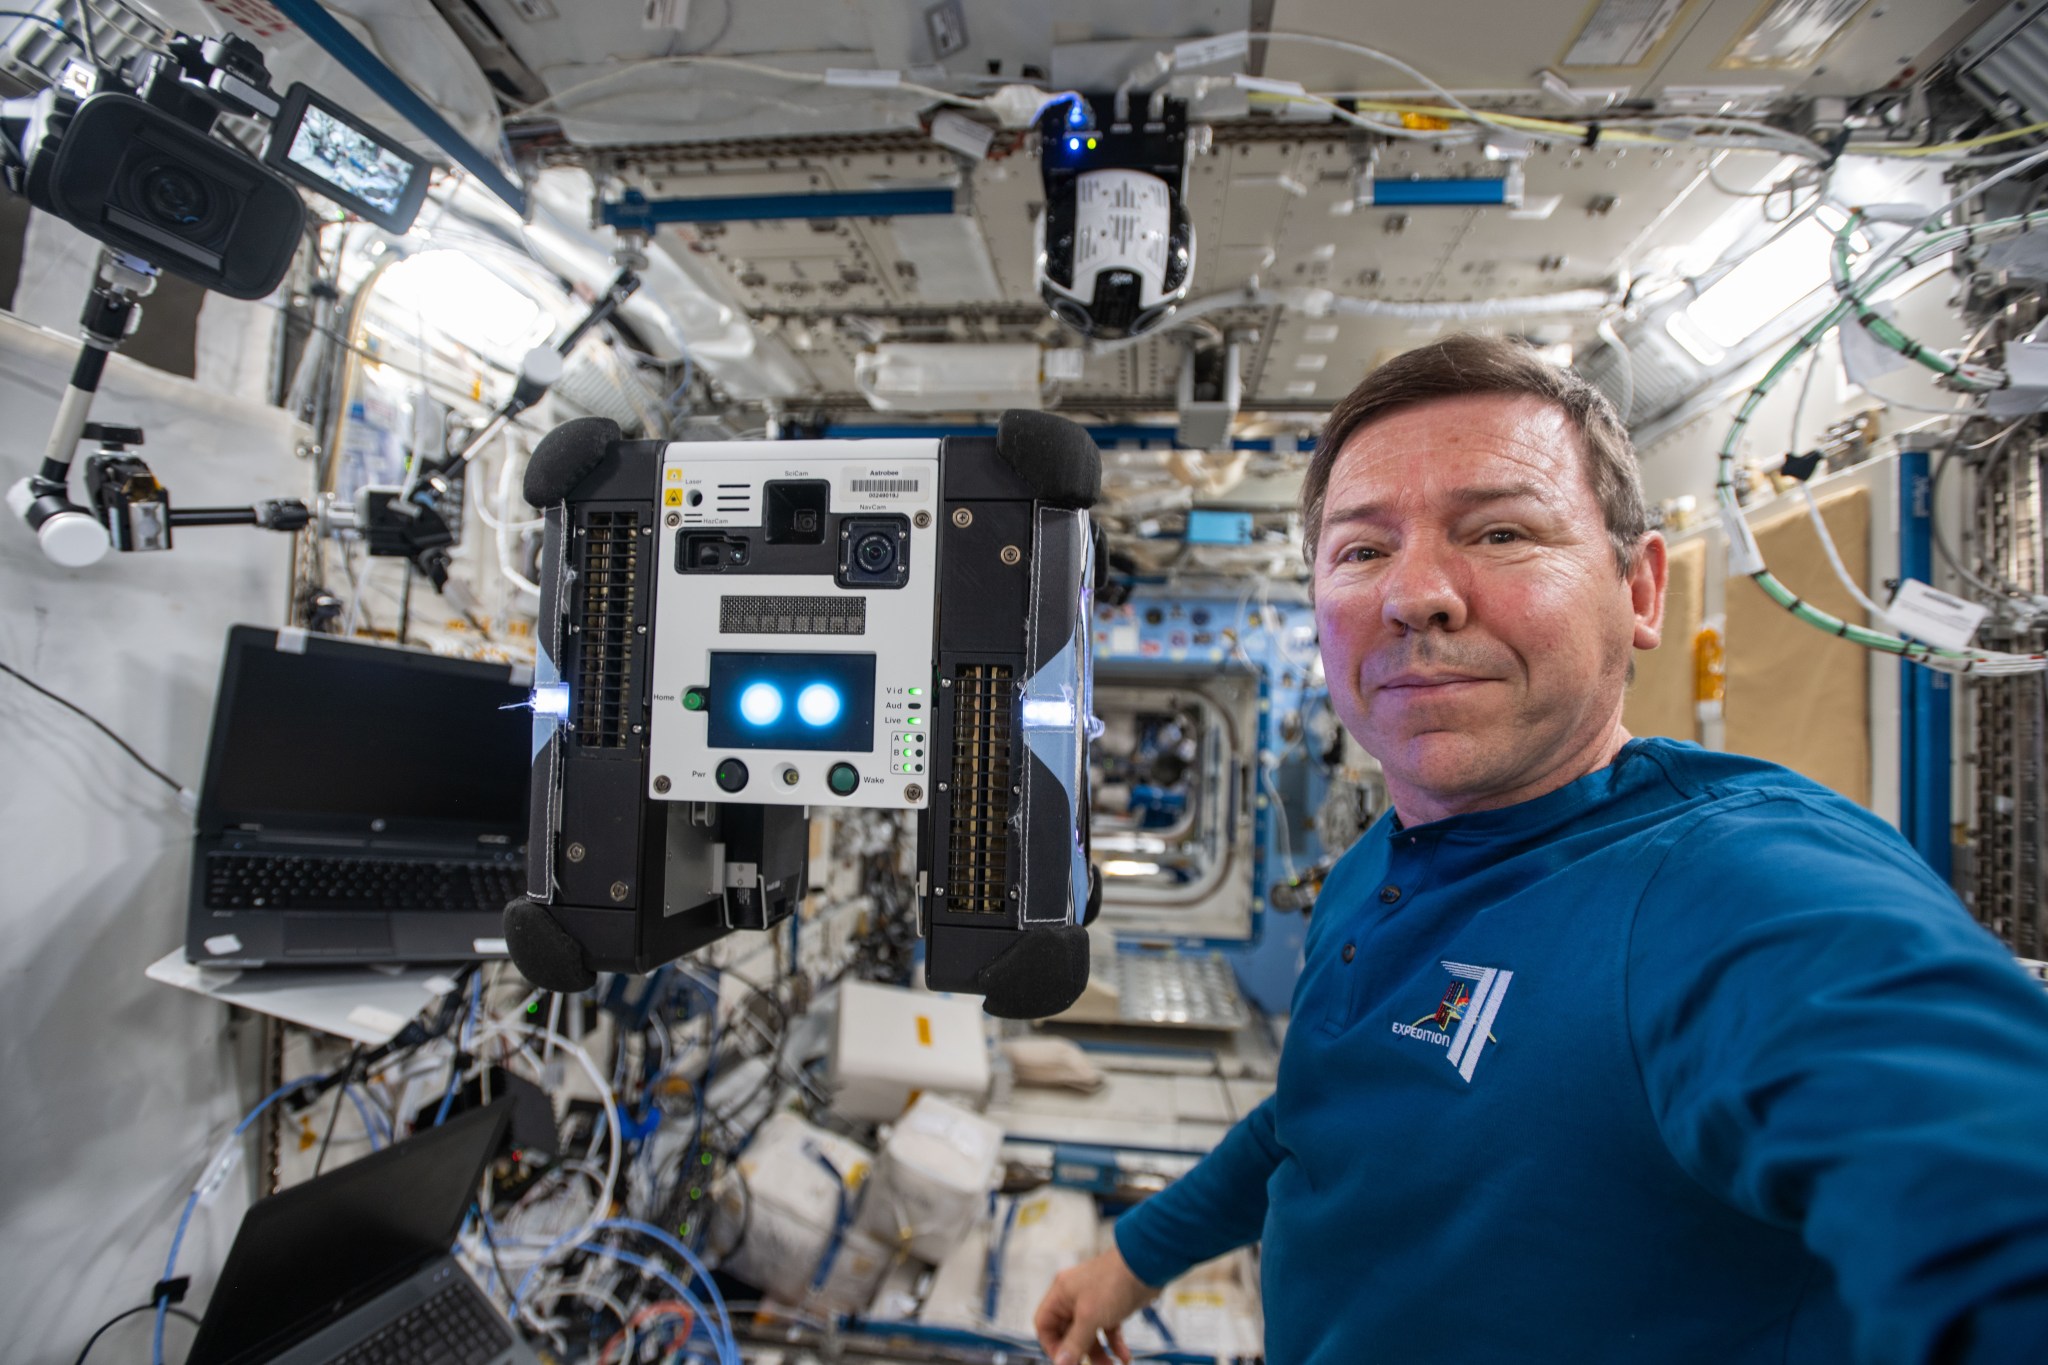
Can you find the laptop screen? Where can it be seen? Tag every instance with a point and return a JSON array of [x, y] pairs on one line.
[[362, 739], [307, 1255]]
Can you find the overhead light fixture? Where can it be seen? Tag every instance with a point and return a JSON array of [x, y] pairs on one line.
[[929, 376], [465, 300], [1756, 292]]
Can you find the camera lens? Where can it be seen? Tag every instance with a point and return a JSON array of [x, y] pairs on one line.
[[176, 197], [875, 552]]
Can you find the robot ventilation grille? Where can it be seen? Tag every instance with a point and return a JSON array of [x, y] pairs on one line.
[[979, 842], [607, 570]]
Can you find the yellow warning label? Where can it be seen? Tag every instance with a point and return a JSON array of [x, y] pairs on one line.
[[673, 474], [671, 497], [924, 1030]]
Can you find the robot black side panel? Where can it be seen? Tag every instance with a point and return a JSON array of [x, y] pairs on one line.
[[735, 633]]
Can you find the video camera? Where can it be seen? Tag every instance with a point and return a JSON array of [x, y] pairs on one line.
[[733, 633], [134, 158]]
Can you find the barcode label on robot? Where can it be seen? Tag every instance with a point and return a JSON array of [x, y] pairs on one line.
[[887, 487], [1927, 614]]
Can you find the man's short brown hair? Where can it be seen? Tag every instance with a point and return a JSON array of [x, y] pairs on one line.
[[1456, 366]]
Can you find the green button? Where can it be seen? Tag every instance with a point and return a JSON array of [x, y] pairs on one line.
[[693, 699], [843, 779]]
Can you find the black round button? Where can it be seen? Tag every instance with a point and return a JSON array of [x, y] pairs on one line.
[[844, 779], [1390, 894], [1350, 951], [731, 774]]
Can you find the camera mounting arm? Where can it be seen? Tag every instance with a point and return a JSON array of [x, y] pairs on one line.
[[540, 370], [70, 534]]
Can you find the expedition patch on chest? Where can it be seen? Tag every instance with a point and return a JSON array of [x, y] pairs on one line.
[[1462, 1022]]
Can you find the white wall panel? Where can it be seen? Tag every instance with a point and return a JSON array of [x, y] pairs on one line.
[[115, 1089]]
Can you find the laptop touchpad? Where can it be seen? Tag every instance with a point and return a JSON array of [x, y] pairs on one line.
[[336, 935]]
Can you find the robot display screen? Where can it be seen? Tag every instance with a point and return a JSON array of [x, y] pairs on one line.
[[792, 701], [350, 160]]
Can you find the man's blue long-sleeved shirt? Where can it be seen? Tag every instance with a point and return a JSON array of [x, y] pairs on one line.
[[1690, 1060]]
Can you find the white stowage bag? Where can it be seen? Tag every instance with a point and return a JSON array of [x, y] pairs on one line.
[[992, 1281], [1052, 1229], [932, 1180], [782, 1205], [1212, 1310]]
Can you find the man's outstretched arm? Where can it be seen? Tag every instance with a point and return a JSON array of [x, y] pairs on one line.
[[1217, 1207]]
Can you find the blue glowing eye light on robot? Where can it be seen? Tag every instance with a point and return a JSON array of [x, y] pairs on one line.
[[761, 704], [793, 700], [819, 704]]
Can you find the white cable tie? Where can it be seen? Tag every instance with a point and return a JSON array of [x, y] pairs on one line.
[[1744, 556], [219, 1169], [863, 78], [1267, 85], [1223, 47]]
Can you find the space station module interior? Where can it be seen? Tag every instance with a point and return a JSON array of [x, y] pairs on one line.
[[691, 617]]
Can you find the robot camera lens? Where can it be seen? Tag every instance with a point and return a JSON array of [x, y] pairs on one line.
[[875, 552]]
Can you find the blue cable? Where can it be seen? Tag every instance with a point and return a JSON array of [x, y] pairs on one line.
[[374, 1130], [727, 1349], [163, 1303], [476, 990], [697, 1266]]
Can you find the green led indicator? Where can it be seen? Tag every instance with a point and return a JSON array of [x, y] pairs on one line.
[[917, 691], [917, 720], [696, 1193], [705, 1159]]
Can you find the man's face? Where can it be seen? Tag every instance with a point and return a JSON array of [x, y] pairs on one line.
[[1475, 627]]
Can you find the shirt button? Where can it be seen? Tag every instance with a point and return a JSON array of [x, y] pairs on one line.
[[1350, 951], [1390, 894]]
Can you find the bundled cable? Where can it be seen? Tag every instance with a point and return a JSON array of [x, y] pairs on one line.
[[1744, 557]]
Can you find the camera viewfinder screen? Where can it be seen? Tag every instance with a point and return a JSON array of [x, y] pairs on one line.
[[792, 701], [350, 160]]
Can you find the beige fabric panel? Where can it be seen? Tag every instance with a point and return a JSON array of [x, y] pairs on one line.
[[1660, 700], [1795, 695]]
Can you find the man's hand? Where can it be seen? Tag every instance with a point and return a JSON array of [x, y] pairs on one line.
[[1092, 1297]]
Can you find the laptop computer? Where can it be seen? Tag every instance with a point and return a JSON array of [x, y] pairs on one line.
[[353, 1266], [360, 803]]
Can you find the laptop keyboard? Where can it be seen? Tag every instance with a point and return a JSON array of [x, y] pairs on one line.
[[247, 881], [454, 1327]]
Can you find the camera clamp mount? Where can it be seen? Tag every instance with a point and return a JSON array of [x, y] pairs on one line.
[[130, 509]]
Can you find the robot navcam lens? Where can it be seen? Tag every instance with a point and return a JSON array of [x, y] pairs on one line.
[[875, 552]]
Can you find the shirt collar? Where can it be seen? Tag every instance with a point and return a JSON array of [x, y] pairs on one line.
[[1525, 818]]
